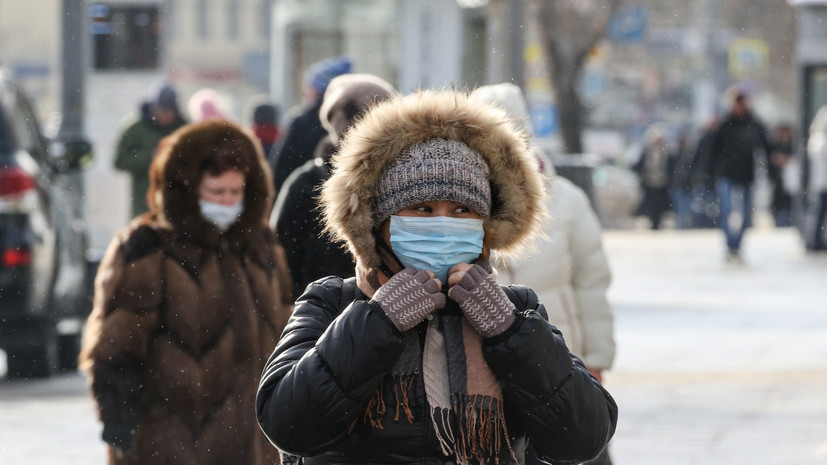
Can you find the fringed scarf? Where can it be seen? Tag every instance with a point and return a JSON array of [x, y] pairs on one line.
[[465, 399]]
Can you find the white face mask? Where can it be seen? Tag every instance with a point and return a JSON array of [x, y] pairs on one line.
[[222, 216]]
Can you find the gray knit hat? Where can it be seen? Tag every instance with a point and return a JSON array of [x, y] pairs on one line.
[[436, 169]]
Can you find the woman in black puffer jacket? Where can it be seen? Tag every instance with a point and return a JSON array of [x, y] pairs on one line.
[[422, 358]]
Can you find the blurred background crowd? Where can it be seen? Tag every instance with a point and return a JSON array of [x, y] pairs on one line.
[[603, 80]]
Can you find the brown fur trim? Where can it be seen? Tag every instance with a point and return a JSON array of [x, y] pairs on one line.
[[176, 173], [370, 147]]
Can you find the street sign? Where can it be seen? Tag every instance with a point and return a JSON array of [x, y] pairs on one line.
[[628, 24], [748, 58], [544, 119]]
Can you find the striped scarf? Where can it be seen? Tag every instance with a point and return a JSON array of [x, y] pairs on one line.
[[465, 399]]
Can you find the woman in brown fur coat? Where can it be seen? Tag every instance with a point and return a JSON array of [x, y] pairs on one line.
[[189, 300]]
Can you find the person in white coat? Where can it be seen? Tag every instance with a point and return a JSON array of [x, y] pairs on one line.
[[569, 271], [817, 152]]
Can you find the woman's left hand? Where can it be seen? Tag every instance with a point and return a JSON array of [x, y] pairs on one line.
[[482, 300]]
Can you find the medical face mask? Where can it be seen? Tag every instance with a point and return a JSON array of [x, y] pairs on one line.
[[435, 243], [222, 216]]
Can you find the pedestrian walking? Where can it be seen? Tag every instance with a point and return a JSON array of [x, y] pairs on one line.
[[817, 153], [311, 254], [207, 103], [683, 182], [704, 203], [782, 152], [189, 300], [139, 139], [305, 130], [422, 357], [654, 167], [265, 123], [568, 270], [740, 138]]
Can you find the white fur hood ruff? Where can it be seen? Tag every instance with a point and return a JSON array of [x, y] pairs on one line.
[[370, 147]]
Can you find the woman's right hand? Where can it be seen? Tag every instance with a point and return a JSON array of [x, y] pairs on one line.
[[409, 296]]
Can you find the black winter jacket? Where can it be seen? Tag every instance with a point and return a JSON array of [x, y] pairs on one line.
[[329, 362], [297, 219], [734, 148], [299, 145]]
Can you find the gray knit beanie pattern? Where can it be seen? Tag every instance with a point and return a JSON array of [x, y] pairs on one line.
[[436, 169]]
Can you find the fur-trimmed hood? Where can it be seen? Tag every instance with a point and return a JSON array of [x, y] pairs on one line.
[[176, 173], [370, 147]]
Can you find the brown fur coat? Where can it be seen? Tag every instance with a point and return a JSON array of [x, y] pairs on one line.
[[185, 316]]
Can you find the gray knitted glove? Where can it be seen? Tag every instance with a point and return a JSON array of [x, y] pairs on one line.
[[483, 301], [409, 296]]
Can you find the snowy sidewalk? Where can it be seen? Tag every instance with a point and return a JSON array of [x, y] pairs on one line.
[[718, 363]]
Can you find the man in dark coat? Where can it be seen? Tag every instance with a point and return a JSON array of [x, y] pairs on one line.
[[138, 143], [311, 254], [306, 129], [782, 202], [734, 148]]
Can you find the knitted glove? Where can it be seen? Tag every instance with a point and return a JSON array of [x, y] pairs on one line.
[[482, 300], [409, 296], [118, 436]]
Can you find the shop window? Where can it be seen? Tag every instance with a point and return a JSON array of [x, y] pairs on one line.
[[232, 19], [125, 37], [202, 18]]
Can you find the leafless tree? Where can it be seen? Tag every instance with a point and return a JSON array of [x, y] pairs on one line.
[[568, 31]]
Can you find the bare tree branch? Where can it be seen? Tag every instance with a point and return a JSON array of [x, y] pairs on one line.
[[569, 30]]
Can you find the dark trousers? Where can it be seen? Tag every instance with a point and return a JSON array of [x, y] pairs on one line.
[[727, 193]]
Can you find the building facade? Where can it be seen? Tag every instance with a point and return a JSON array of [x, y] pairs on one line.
[[132, 46], [663, 61]]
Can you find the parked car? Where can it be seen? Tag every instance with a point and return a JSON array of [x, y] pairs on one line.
[[43, 272], [614, 190]]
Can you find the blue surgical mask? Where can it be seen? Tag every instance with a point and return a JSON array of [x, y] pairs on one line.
[[435, 243], [222, 216]]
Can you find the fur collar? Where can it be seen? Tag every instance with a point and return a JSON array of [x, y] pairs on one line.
[[175, 176]]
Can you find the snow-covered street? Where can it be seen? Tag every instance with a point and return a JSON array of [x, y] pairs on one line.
[[718, 363]]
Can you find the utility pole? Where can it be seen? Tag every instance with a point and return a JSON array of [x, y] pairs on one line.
[[72, 147], [73, 69], [516, 42], [506, 34], [71, 150]]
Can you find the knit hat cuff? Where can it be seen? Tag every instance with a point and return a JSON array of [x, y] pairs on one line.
[[434, 170]]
